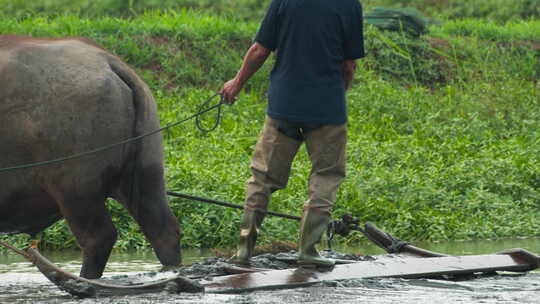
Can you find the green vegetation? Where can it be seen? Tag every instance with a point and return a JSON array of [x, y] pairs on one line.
[[242, 9], [444, 138]]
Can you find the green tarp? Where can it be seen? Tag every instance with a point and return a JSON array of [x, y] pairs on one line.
[[408, 20]]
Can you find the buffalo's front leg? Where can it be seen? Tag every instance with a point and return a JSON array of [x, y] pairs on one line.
[[91, 224]]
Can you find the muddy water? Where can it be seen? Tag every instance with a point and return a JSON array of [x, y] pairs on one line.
[[21, 283]]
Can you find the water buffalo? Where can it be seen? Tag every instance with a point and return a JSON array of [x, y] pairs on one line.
[[61, 97]]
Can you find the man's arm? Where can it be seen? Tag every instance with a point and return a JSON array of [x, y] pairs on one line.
[[349, 67], [254, 59]]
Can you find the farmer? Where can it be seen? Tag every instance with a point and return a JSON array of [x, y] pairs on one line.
[[317, 43]]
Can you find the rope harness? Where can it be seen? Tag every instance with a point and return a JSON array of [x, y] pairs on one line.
[[133, 139], [204, 108]]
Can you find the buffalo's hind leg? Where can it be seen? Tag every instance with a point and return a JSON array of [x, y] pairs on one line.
[[147, 202], [160, 227], [92, 225]]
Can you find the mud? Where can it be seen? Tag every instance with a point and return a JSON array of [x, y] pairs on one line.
[[211, 267], [508, 289], [21, 283]]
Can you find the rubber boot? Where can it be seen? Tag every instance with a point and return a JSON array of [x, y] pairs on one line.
[[251, 223], [313, 225]]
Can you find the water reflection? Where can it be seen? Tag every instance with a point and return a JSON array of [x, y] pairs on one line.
[[135, 261], [456, 247]]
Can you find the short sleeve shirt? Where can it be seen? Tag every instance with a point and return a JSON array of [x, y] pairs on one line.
[[312, 39]]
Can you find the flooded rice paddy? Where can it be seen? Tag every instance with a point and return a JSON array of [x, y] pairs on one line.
[[20, 282]]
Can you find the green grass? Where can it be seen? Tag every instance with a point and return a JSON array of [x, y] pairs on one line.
[[444, 141], [495, 10]]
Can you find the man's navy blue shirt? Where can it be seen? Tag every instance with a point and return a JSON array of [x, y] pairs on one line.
[[312, 39]]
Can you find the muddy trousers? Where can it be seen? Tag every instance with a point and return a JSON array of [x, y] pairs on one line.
[[271, 166]]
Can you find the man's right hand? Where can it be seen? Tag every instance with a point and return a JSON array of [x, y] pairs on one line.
[[230, 91], [254, 59]]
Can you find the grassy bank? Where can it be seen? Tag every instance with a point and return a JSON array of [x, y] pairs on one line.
[[497, 10], [444, 140]]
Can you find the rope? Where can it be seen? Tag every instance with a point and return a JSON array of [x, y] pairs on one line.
[[211, 201], [217, 121], [129, 140]]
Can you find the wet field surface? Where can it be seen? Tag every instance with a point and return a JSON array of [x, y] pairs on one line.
[[20, 282]]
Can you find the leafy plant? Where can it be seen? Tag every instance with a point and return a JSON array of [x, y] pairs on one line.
[[444, 141]]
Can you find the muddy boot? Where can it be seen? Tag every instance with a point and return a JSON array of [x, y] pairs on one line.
[[313, 225], [251, 222]]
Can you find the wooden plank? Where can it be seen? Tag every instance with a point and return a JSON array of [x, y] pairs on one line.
[[392, 267]]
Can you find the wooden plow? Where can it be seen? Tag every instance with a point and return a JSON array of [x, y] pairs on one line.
[[407, 261]]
